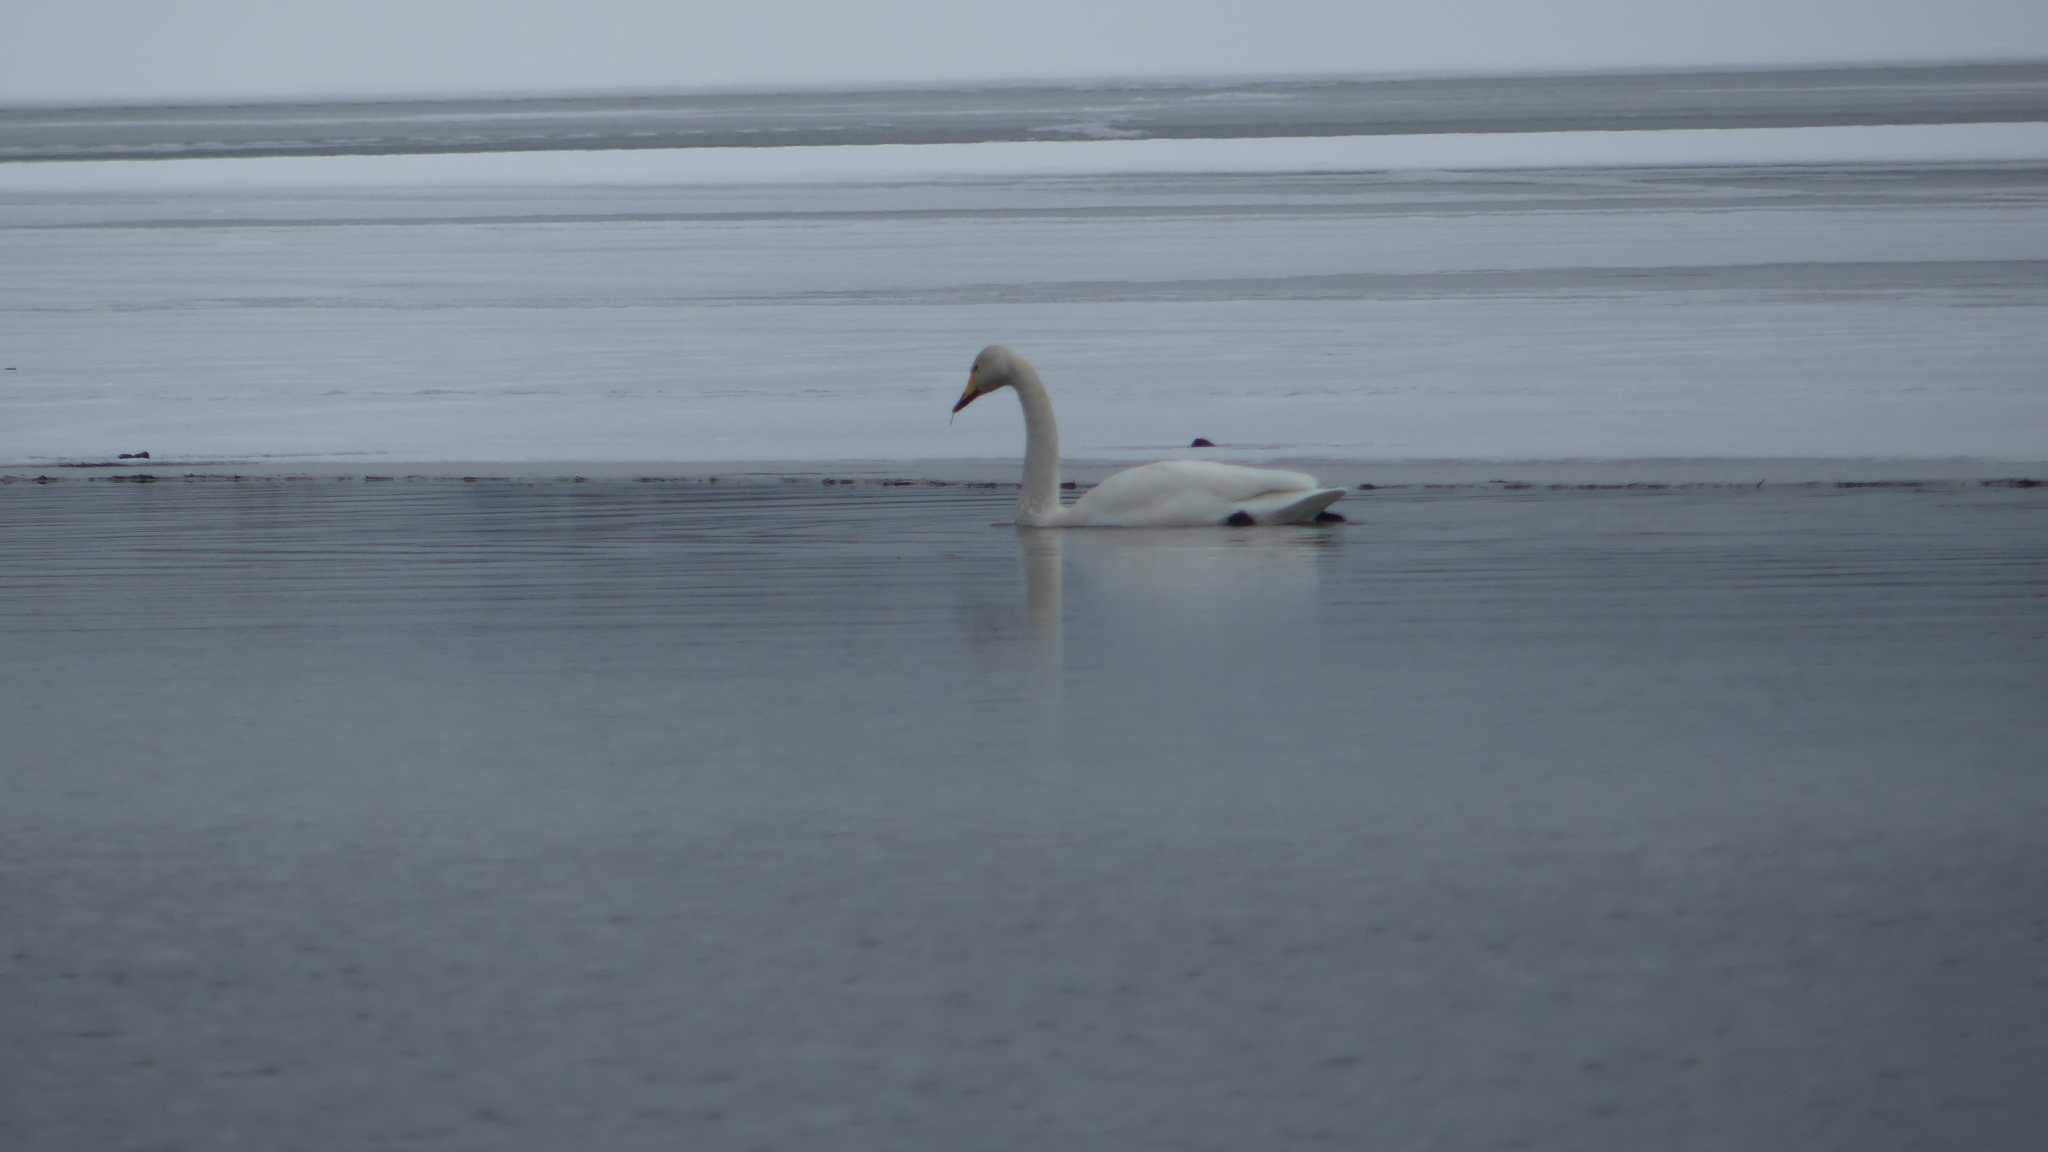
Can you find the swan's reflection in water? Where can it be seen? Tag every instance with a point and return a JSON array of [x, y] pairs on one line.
[[1041, 551], [1140, 611]]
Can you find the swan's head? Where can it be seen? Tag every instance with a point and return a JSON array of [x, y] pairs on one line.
[[996, 367]]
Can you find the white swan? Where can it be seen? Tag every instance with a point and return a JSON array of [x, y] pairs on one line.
[[1168, 494]]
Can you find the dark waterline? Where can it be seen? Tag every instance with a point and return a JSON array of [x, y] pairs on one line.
[[524, 815], [1623, 101]]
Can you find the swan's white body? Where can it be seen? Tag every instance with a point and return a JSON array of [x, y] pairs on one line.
[[1174, 493], [1168, 494]]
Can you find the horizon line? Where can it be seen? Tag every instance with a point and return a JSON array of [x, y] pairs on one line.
[[857, 86]]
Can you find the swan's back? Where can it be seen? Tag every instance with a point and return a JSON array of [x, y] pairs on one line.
[[1174, 493]]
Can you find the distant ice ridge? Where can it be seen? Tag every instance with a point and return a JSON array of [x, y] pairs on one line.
[[1913, 144]]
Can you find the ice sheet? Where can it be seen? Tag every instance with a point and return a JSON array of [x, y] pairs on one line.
[[687, 310], [1911, 143]]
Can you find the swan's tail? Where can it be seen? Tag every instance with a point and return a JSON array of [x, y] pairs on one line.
[[1285, 507]]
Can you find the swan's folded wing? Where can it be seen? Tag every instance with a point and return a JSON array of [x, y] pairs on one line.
[[1225, 482], [1290, 507], [1198, 492]]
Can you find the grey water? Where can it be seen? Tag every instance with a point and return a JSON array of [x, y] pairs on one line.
[[523, 814], [1165, 109]]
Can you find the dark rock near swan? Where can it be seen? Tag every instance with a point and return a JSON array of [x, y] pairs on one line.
[[133, 456], [1202, 442], [1240, 519]]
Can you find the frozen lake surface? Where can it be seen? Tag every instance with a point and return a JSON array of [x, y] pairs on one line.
[[653, 815], [1877, 292]]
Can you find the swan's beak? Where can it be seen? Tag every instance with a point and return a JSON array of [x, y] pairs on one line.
[[969, 396]]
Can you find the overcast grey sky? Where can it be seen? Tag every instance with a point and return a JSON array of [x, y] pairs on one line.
[[101, 49]]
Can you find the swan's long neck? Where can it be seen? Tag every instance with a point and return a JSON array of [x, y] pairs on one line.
[[1039, 501]]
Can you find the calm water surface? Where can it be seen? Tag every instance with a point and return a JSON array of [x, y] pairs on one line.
[[505, 815]]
